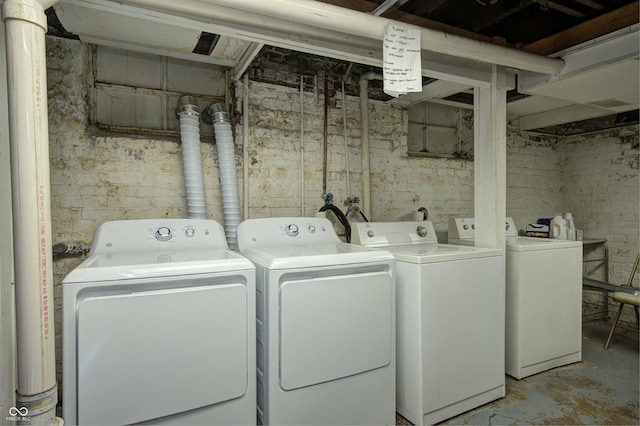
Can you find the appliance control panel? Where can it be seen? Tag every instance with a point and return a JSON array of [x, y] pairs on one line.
[[286, 231], [157, 234], [393, 233], [465, 228]]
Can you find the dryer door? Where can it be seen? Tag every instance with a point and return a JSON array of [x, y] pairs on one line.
[[144, 355], [333, 327]]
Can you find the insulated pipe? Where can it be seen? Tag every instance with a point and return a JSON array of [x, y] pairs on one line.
[[245, 146], [364, 126], [323, 20], [25, 26], [228, 178], [325, 135], [188, 113]]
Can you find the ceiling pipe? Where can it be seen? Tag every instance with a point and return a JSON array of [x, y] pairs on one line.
[[322, 18], [37, 393], [349, 21]]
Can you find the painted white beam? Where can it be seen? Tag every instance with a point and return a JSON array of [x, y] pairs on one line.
[[436, 89], [247, 57], [490, 154], [563, 115]]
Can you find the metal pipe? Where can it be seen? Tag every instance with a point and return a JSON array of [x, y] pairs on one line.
[[25, 26], [325, 20], [325, 134], [301, 145], [364, 132], [344, 135]]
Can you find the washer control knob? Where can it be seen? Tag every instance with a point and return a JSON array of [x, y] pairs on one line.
[[422, 231], [163, 234], [473, 226], [311, 229], [292, 230], [370, 234], [507, 226], [465, 227], [189, 232]]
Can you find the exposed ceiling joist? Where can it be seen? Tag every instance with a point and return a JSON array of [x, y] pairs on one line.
[[589, 30], [561, 116], [560, 8]]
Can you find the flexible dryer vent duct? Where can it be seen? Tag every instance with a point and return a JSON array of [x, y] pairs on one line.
[[227, 162], [187, 112]]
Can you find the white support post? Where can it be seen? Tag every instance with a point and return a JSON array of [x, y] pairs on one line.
[[490, 153]]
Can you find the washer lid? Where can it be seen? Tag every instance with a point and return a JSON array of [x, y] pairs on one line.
[[309, 256], [533, 243], [430, 253], [132, 265]]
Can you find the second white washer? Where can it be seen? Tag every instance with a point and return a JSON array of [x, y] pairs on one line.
[[544, 298], [450, 320]]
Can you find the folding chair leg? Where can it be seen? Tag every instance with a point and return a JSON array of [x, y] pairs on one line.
[[613, 328]]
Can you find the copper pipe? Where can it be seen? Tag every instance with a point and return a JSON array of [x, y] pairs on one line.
[[326, 134]]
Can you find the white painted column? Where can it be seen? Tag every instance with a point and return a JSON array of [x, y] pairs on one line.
[[7, 320], [25, 26], [490, 153]]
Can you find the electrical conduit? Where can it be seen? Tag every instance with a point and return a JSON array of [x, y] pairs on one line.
[[37, 393], [228, 178], [188, 113]]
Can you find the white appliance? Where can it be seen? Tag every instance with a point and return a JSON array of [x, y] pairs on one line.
[[325, 324], [450, 320], [158, 326], [544, 298]]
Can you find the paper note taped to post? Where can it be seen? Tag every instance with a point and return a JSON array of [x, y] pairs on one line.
[[402, 64]]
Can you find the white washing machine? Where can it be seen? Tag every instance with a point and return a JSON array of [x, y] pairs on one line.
[[325, 324], [544, 298], [159, 327], [450, 320]]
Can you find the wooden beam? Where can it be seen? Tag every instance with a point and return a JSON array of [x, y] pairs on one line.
[[560, 8], [604, 24], [368, 6]]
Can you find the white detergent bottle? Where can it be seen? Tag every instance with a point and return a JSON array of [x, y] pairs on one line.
[[571, 227], [558, 227]]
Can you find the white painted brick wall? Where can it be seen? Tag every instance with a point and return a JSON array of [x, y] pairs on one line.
[[97, 177], [601, 185]]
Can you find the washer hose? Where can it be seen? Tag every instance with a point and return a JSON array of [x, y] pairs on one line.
[[341, 217]]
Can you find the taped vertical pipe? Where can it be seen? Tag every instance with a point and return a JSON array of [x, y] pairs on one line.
[[344, 135], [364, 125], [189, 115], [325, 135], [25, 26], [228, 177], [245, 146], [301, 145]]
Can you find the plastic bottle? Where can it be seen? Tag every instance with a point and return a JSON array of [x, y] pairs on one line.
[[571, 227], [558, 228]]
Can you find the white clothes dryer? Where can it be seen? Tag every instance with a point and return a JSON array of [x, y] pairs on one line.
[[450, 320], [543, 298], [325, 324], [159, 327]]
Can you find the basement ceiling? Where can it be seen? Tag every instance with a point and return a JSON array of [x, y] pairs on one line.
[[598, 39]]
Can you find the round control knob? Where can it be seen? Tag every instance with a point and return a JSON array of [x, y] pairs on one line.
[[163, 234], [465, 227], [507, 226], [311, 229], [292, 230], [189, 232], [370, 234], [473, 226], [422, 231]]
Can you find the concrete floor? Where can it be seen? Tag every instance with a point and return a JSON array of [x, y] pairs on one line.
[[603, 389]]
